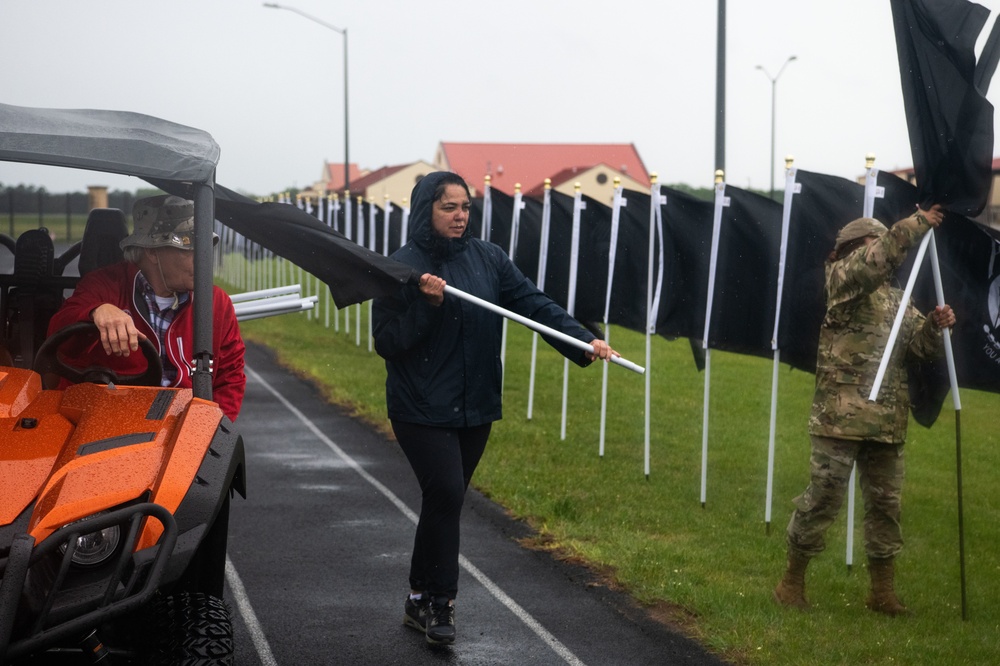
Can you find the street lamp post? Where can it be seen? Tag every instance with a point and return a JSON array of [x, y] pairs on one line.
[[774, 85], [342, 31]]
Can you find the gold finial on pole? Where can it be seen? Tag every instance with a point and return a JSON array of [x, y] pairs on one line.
[[406, 200], [487, 179], [347, 195], [361, 199], [517, 188], [789, 161], [576, 186], [653, 178], [617, 181], [336, 197], [869, 160], [720, 175], [548, 183]]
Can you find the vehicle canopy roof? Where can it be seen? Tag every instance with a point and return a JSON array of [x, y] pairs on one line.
[[120, 142]]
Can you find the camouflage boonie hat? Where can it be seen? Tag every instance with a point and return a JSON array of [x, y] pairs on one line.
[[163, 221], [859, 228]]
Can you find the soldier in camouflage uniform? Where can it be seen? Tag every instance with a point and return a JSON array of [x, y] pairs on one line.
[[845, 427]]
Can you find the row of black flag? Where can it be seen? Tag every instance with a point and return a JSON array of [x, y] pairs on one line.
[[745, 295]]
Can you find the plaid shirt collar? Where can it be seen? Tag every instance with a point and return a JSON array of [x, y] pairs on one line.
[[160, 320]]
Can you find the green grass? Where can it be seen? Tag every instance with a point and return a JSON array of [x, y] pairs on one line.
[[711, 569], [54, 222]]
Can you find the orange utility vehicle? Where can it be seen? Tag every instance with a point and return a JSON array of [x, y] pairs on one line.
[[115, 492]]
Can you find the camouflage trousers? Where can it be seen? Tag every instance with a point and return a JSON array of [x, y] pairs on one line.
[[880, 469]]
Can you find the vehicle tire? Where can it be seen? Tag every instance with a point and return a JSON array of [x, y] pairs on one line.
[[189, 629]]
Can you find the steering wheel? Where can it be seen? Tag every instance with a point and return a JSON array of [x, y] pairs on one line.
[[47, 361]]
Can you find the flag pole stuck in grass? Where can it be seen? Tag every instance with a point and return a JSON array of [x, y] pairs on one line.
[[539, 328]]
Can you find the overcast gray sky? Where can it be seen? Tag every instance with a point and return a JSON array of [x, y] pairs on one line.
[[267, 84]]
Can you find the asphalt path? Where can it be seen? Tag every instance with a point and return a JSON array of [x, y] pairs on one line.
[[319, 555]]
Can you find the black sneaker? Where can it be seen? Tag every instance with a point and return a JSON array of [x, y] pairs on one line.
[[440, 623], [415, 613]]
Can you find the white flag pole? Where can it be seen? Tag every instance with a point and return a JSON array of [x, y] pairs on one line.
[[386, 211], [618, 201], [515, 222], [349, 233], [574, 262], [543, 253], [312, 282], [303, 275], [721, 201], [361, 242], [406, 222], [872, 192], [953, 379], [487, 229], [655, 201], [949, 353], [300, 201], [373, 246], [540, 328], [791, 189], [897, 322], [333, 206]]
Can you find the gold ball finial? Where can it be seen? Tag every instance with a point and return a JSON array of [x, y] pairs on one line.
[[789, 161], [347, 195], [576, 186], [617, 181], [548, 183], [406, 200], [517, 188], [720, 175], [869, 160], [361, 199], [336, 197], [487, 178], [653, 177]]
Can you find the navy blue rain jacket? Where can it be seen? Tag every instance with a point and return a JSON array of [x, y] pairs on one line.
[[443, 362]]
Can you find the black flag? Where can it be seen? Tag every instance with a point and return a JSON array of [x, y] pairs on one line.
[[949, 120], [353, 273], [746, 277]]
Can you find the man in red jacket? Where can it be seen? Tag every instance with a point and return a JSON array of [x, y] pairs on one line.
[[148, 296]]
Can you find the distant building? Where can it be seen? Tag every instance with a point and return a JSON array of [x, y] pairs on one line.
[[392, 182], [596, 181], [991, 213], [332, 178], [594, 165]]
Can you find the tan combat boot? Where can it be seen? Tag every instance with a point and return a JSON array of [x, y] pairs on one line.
[[882, 598], [791, 590]]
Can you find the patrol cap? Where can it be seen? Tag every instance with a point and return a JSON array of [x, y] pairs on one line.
[[859, 228], [163, 221]]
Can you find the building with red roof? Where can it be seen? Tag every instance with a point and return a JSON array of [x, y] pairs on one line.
[[529, 164]]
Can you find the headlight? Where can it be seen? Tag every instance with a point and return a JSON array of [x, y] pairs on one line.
[[95, 547]]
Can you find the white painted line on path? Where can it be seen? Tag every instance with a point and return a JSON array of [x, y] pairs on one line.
[[492, 587], [249, 617]]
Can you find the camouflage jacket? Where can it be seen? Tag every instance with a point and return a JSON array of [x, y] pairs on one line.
[[861, 306]]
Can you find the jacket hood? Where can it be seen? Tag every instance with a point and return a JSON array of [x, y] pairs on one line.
[[420, 230]]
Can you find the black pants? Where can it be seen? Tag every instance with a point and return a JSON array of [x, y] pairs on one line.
[[443, 460]]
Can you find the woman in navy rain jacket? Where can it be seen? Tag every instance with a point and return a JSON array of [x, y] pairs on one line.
[[443, 388]]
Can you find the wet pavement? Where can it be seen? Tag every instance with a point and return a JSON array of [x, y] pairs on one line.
[[320, 550]]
